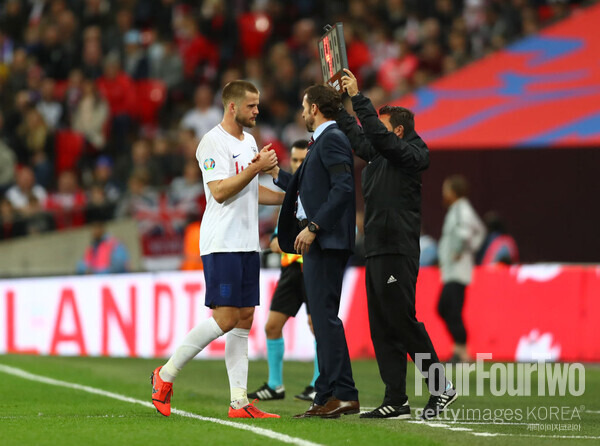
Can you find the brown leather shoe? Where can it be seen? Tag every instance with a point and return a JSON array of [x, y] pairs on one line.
[[311, 412], [334, 408]]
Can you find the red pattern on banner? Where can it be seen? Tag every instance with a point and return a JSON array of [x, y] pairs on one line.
[[503, 306], [590, 315], [11, 344], [67, 300], [110, 310], [356, 325], [192, 290], [511, 312], [163, 292]]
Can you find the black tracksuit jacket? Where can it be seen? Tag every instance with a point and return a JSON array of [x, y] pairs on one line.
[[391, 181]]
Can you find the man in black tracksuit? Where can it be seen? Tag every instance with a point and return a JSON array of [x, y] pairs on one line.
[[391, 182]]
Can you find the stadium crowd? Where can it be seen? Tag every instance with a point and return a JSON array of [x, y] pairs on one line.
[[103, 102]]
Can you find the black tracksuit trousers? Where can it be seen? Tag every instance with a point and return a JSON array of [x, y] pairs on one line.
[[395, 330]]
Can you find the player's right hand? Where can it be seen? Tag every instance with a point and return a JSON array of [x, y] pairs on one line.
[[349, 83]]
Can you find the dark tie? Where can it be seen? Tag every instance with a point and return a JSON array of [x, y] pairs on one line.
[[311, 141]]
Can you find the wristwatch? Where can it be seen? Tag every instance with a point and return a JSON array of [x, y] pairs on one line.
[[313, 228]]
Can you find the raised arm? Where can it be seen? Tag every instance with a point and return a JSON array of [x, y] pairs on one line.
[[409, 152], [361, 146]]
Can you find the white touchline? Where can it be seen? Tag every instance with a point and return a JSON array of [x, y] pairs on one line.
[[256, 430], [502, 434]]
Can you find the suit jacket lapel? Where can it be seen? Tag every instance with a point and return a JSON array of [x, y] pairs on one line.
[[312, 149], [305, 162]]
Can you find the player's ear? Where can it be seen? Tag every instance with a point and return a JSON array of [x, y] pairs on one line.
[[399, 131], [314, 109]]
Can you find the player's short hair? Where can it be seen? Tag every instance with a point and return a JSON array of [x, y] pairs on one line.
[[399, 116], [459, 185], [300, 144], [236, 91], [326, 98]]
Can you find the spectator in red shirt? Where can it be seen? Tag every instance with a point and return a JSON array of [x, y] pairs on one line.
[[254, 28], [394, 70], [117, 87], [359, 55], [119, 91], [68, 203], [194, 48]]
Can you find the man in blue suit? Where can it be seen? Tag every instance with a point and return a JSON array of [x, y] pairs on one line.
[[317, 220]]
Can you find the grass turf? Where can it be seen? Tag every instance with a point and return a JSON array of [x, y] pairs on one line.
[[34, 413]]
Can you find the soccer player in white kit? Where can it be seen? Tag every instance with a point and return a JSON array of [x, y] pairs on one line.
[[229, 244]]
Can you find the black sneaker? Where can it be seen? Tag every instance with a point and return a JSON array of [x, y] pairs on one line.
[[308, 394], [389, 412], [437, 404], [265, 393]]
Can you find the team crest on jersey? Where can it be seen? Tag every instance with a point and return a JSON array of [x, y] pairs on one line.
[[209, 164]]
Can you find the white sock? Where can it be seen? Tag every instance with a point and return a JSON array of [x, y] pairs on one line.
[[193, 343], [236, 361]]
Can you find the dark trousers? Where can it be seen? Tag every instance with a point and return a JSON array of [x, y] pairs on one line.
[[450, 308], [395, 330], [323, 274]]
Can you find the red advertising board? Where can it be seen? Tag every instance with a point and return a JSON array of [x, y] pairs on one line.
[[514, 313]]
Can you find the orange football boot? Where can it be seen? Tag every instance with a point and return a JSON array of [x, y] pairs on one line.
[[162, 392], [250, 411]]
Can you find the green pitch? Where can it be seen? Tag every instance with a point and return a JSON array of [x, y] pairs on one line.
[[36, 411]]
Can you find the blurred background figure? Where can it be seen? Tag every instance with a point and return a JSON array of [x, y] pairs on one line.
[[90, 116], [103, 176], [499, 246], [119, 90], [188, 190], [8, 161], [169, 158], [192, 261], [143, 159], [205, 115], [37, 220], [25, 185], [429, 249], [35, 146], [105, 254], [138, 194], [462, 235], [136, 63], [67, 204], [50, 109], [99, 207], [11, 223]]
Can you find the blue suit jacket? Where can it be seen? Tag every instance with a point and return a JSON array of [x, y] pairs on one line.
[[325, 182]]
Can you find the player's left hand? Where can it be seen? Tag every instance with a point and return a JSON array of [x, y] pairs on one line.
[[303, 241], [264, 151]]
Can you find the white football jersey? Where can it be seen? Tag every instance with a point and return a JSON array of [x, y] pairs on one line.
[[231, 226]]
